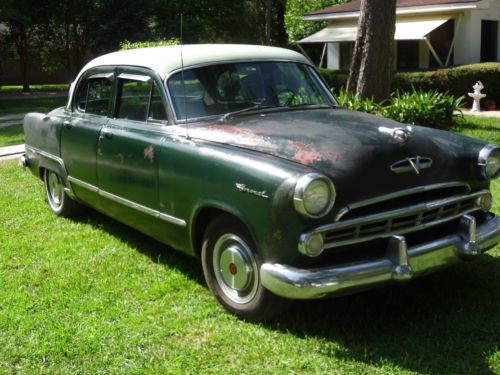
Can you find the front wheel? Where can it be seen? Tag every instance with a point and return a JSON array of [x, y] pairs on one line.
[[58, 199], [231, 268]]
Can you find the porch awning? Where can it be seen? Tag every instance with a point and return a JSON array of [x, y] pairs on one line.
[[406, 29]]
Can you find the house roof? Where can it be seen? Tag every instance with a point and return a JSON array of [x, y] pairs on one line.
[[354, 5]]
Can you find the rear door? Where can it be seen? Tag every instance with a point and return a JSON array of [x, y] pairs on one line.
[[128, 150]]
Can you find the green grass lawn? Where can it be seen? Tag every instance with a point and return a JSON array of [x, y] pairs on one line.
[[10, 106], [48, 87], [93, 296], [11, 135]]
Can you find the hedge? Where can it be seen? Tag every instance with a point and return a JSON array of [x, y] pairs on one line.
[[457, 80]]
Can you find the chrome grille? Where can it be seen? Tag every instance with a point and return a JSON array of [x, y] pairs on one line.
[[399, 221]]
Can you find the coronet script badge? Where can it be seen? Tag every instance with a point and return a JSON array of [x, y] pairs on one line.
[[243, 188], [415, 164]]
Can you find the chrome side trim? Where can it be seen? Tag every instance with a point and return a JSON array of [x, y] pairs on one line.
[[397, 194], [128, 203], [83, 184], [400, 264], [47, 155]]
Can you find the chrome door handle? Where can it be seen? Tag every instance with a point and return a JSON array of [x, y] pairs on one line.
[[67, 124]]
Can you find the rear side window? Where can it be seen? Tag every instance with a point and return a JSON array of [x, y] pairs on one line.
[[139, 100], [93, 96]]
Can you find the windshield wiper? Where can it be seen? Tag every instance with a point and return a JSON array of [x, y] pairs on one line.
[[312, 106], [248, 109]]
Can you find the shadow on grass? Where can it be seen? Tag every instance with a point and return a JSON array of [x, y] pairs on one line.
[[155, 250], [448, 322]]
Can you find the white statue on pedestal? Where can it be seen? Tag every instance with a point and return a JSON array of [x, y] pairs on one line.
[[477, 96]]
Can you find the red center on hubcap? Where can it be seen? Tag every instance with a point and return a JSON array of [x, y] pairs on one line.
[[232, 269]]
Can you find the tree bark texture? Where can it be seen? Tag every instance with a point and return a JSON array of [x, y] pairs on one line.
[[371, 67]]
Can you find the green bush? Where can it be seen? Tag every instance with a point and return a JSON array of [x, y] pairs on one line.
[[349, 100], [427, 108], [457, 80], [336, 79], [167, 42]]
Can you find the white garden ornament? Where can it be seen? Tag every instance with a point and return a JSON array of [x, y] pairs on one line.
[[477, 96]]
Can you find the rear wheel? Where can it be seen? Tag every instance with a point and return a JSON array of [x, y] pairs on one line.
[[58, 199], [231, 268]]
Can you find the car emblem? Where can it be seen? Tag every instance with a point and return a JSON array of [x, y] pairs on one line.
[[243, 188], [415, 164], [400, 135]]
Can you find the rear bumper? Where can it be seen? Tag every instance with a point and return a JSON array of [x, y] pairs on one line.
[[400, 264]]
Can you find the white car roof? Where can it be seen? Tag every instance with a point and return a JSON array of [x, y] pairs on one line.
[[165, 60]]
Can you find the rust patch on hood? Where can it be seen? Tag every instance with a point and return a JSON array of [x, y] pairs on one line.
[[307, 155]]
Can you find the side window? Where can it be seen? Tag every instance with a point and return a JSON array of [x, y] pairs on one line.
[[93, 96], [157, 108], [139, 100]]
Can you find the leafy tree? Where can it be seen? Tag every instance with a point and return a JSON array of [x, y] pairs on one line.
[[371, 68], [79, 29], [220, 21], [296, 27], [22, 19]]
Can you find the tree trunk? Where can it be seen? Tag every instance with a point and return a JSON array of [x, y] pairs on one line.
[[268, 11], [21, 37], [371, 68]]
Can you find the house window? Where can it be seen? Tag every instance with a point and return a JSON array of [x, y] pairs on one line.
[[346, 50], [407, 54], [489, 40]]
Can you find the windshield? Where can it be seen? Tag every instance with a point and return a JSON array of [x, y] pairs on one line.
[[218, 89]]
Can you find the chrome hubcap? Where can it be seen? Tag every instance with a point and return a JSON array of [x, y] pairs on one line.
[[235, 268], [55, 189]]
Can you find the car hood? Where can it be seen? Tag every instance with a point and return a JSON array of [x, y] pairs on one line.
[[349, 147]]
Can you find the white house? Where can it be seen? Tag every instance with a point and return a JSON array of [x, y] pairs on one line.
[[429, 33]]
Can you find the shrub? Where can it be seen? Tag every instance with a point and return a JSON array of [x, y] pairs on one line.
[[167, 42], [427, 108], [336, 79], [457, 80], [349, 100]]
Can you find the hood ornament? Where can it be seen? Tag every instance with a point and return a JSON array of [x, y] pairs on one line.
[[400, 135], [415, 164]]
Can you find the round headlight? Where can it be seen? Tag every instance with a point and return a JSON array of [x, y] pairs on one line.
[[489, 161], [314, 195]]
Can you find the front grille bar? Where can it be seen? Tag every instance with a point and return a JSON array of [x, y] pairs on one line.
[[399, 221]]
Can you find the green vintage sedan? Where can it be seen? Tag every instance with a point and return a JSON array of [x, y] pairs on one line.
[[240, 155]]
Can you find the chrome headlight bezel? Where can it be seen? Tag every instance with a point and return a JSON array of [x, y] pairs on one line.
[[301, 187], [485, 156]]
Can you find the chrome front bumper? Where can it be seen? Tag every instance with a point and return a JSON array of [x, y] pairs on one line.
[[400, 264]]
